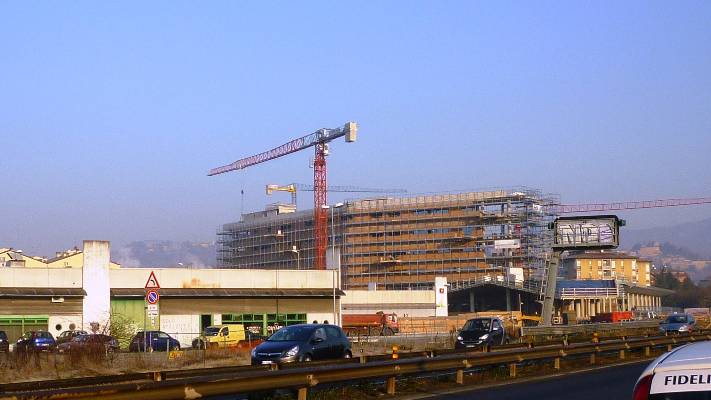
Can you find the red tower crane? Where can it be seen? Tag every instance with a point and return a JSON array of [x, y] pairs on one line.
[[319, 140]]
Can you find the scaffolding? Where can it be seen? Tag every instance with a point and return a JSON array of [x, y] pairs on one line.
[[403, 243]]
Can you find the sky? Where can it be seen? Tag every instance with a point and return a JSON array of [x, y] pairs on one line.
[[111, 113]]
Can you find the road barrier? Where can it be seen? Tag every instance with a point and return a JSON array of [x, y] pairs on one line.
[[589, 329], [222, 381]]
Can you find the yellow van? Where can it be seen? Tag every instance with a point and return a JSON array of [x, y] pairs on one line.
[[219, 336]]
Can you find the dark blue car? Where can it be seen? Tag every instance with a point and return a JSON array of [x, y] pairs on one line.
[[303, 343], [36, 341], [157, 341]]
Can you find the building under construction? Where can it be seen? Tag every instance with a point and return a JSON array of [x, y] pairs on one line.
[[401, 242]]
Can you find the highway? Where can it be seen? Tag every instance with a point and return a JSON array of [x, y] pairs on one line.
[[610, 383]]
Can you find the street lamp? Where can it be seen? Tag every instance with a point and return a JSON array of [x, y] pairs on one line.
[[335, 281], [294, 250]]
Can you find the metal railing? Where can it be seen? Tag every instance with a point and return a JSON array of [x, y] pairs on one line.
[[575, 293], [499, 280], [216, 382]]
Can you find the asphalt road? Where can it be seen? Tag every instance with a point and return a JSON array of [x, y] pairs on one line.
[[611, 383]]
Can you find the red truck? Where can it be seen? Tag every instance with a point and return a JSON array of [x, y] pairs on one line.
[[615, 316], [370, 324]]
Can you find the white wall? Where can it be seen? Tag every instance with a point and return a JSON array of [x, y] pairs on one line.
[[184, 328], [97, 302], [41, 277], [411, 303], [222, 278], [65, 321]]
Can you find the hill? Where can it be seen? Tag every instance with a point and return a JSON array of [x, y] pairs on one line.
[[693, 236]]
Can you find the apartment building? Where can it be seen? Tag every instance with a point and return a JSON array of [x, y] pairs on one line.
[[595, 265]]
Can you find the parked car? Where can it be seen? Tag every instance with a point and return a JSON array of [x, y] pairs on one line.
[[479, 332], [90, 342], [682, 373], [4, 342], [69, 335], [36, 341], [303, 343], [157, 341], [220, 336], [677, 323]]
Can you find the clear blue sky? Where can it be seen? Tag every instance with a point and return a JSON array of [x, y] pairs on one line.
[[111, 113]]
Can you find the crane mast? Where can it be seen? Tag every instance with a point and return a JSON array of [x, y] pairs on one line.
[[319, 140]]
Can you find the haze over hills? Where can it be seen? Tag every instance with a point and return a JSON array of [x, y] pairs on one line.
[[694, 236], [165, 253]]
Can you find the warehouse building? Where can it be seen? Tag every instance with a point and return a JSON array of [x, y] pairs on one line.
[[58, 299]]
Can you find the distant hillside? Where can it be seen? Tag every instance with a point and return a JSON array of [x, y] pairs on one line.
[[694, 236], [165, 253]]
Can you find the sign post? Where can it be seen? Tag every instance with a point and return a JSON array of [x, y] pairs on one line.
[[151, 306]]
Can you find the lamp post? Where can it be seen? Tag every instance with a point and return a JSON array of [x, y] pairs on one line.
[[336, 281], [294, 250]]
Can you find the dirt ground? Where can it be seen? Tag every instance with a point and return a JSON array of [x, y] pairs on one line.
[[19, 367]]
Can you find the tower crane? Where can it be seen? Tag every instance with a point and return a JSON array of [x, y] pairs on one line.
[[626, 205], [319, 141], [293, 187]]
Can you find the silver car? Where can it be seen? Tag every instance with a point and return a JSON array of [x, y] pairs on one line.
[[684, 373]]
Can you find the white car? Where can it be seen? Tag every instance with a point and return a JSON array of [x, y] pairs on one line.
[[683, 373]]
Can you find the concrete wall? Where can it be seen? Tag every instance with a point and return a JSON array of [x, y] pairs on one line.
[[222, 278], [97, 302], [183, 327], [413, 303], [41, 277]]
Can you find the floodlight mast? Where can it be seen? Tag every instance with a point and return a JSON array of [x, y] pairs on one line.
[[319, 140]]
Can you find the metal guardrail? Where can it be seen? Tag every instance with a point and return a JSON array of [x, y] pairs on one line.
[[301, 378], [587, 328]]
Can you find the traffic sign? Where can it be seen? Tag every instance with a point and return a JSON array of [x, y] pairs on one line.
[[152, 282], [152, 297]]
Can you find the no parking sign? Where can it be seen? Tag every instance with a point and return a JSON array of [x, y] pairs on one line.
[[152, 297]]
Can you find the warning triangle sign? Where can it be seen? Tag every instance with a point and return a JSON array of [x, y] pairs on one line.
[[152, 282]]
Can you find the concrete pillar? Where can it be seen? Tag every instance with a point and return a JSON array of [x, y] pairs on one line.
[[577, 308], [95, 282], [471, 301], [508, 299]]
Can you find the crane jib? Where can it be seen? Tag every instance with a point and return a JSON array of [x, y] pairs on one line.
[[322, 135]]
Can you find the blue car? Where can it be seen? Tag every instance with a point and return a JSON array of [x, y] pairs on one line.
[[36, 341], [677, 323], [157, 341]]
